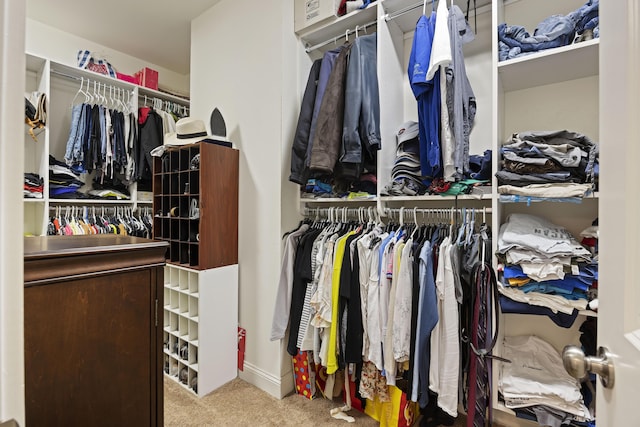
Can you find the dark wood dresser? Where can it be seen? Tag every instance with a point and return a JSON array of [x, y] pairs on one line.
[[93, 336]]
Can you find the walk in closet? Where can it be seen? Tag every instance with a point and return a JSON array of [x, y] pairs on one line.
[[555, 89]]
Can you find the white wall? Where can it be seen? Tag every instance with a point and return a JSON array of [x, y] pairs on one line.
[[244, 64], [12, 81], [49, 42]]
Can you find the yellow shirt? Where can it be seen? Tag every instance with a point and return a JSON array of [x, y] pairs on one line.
[[332, 356]]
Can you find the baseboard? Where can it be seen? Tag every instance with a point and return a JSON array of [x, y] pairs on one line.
[[278, 387]]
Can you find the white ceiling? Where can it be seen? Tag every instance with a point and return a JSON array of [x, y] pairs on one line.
[[157, 31]]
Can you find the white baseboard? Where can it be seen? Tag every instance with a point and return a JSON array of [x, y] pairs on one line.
[[278, 387]]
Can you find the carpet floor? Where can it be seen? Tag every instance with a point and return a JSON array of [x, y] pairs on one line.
[[239, 403]]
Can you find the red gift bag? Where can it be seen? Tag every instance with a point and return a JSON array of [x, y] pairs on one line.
[[399, 411], [304, 374]]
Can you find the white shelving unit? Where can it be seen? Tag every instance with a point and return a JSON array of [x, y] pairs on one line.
[[551, 89], [394, 21], [60, 83], [548, 90], [200, 326]]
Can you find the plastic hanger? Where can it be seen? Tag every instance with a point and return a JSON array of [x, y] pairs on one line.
[[80, 91], [415, 221]]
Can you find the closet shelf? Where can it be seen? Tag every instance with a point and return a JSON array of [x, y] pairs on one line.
[[67, 70], [324, 31], [93, 76], [533, 199], [32, 200], [91, 202], [164, 95], [37, 132], [588, 313], [432, 198], [549, 66], [338, 200], [405, 13], [34, 63]]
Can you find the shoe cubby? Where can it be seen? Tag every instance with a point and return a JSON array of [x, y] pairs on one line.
[[193, 307], [193, 284], [183, 280], [202, 176], [200, 318], [194, 183], [193, 330]]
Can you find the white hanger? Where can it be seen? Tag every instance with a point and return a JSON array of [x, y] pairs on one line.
[[79, 91], [415, 220]]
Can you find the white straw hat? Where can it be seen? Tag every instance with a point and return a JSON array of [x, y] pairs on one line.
[[188, 131]]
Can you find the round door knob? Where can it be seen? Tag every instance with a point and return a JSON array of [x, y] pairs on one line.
[[578, 365], [574, 361]]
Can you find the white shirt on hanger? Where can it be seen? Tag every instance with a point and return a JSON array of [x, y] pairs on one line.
[[445, 341]]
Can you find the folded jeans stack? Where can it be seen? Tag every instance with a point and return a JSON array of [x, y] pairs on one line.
[[553, 31]]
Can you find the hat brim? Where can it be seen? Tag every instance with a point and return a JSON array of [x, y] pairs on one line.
[[172, 139]]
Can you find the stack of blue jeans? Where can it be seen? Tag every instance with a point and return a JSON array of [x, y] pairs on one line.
[[554, 31]]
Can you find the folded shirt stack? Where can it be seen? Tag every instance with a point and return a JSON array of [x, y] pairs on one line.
[[33, 186], [548, 164], [63, 181], [536, 379], [544, 265]]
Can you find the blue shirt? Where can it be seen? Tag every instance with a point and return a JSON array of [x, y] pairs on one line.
[[427, 93]]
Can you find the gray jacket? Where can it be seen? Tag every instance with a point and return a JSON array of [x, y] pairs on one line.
[[361, 128]]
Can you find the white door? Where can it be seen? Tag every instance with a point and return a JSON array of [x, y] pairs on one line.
[[619, 313], [12, 75]]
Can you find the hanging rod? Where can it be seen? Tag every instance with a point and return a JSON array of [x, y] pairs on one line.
[[76, 78], [391, 16], [405, 211], [342, 212], [63, 207], [334, 39], [173, 101], [91, 78]]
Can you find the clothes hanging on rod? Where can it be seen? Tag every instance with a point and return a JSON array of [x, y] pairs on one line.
[[175, 109], [338, 133], [101, 137], [155, 119], [335, 39], [84, 220], [446, 103], [391, 301]]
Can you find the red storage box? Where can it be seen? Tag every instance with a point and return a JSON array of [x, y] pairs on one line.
[[127, 78], [148, 77]]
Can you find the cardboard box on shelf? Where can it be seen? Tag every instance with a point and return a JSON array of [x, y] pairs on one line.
[[310, 12]]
